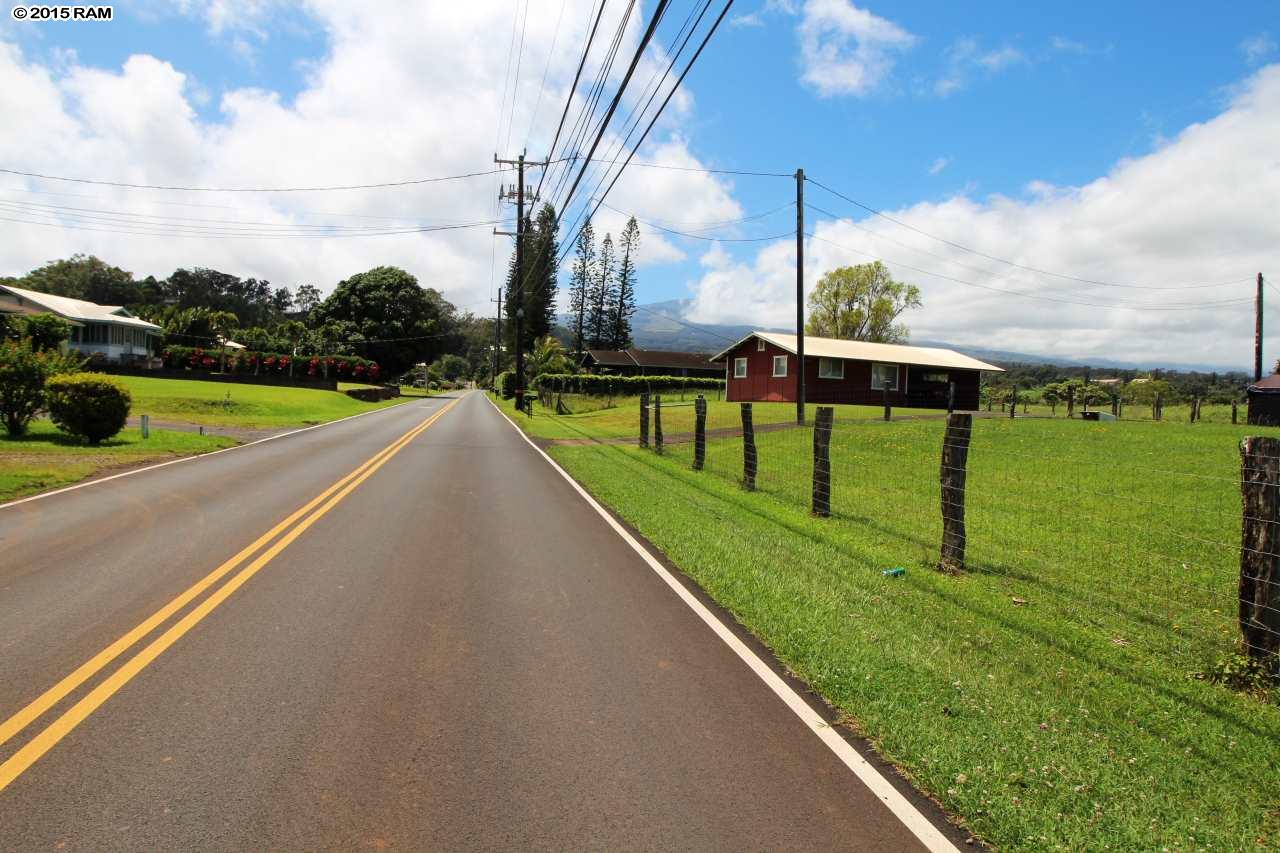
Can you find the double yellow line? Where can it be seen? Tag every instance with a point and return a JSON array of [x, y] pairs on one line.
[[18, 763]]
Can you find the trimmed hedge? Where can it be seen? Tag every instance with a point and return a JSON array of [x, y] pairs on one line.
[[590, 383], [88, 405], [505, 384], [244, 361]]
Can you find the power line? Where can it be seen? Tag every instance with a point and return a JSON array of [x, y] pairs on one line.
[[877, 235], [692, 60], [383, 185], [93, 224], [698, 226], [515, 88], [964, 248], [533, 119], [586, 49], [1134, 306]]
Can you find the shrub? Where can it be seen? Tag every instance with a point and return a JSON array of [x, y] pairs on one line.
[[89, 405], [46, 331], [23, 375], [590, 383], [506, 384]]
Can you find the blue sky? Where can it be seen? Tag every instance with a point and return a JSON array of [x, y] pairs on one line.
[[1076, 138]]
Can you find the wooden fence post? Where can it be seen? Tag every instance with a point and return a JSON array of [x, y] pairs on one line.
[[1234, 413], [955, 460], [822, 461], [748, 450], [699, 432], [1013, 402], [657, 423], [951, 397], [1260, 549], [1071, 401], [644, 420]]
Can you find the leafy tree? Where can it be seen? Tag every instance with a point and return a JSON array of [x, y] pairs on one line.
[[46, 331], [580, 278], [223, 324], [1053, 395], [84, 277], [861, 303], [387, 308], [451, 367], [601, 297], [282, 300], [307, 300], [625, 295], [23, 374]]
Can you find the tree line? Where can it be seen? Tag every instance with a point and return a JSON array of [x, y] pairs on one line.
[[382, 314]]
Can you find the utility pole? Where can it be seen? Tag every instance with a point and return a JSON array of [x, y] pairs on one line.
[[1257, 333], [800, 295], [519, 277], [497, 340]]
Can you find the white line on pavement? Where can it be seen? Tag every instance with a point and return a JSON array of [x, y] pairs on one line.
[[930, 836]]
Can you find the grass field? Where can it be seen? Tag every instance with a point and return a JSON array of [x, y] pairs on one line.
[[1049, 695], [240, 405], [46, 458]]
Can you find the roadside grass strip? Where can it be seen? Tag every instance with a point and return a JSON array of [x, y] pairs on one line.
[[1051, 695], [287, 531]]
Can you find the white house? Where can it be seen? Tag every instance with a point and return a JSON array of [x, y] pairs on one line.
[[108, 332]]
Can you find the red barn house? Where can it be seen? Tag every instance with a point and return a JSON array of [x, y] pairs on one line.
[[762, 367]]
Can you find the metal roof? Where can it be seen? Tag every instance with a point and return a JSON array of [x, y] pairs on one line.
[[80, 310], [865, 351]]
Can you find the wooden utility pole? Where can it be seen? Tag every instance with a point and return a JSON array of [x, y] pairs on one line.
[[1257, 333], [800, 296], [519, 274], [497, 340]]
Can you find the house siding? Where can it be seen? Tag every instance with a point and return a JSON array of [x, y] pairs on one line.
[[855, 388]]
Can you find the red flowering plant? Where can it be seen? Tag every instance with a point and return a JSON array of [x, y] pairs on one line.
[[359, 371]]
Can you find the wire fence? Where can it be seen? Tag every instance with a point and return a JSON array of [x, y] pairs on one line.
[[1126, 533]]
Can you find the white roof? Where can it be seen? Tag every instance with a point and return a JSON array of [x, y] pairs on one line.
[[81, 311], [864, 351]]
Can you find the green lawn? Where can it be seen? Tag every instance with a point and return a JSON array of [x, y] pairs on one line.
[[241, 405], [1048, 696], [46, 458]]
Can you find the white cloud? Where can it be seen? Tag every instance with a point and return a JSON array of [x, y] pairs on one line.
[[1257, 48], [966, 56], [1200, 210], [939, 164], [414, 94], [845, 50], [751, 19], [1062, 44]]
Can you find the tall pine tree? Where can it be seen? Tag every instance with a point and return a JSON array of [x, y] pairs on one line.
[[580, 278], [601, 297], [625, 294], [541, 248]]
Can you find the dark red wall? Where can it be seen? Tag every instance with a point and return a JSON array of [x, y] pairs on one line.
[[760, 386]]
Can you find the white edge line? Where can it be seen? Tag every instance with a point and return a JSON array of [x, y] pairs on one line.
[[193, 457], [908, 814]]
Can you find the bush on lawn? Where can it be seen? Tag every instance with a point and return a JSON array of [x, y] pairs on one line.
[[88, 405], [506, 384], [24, 371], [247, 361], [590, 383]]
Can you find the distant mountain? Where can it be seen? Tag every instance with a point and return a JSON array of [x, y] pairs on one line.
[[662, 325]]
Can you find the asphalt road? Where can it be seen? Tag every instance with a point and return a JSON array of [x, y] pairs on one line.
[[456, 652]]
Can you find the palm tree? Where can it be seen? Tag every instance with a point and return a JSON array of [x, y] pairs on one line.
[[548, 356]]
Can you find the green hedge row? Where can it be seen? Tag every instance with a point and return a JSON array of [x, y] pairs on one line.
[[245, 361], [590, 383]]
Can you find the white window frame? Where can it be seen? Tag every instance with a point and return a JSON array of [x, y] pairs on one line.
[[739, 363], [783, 374], [839, 362], [759, 344], [897, 370]]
